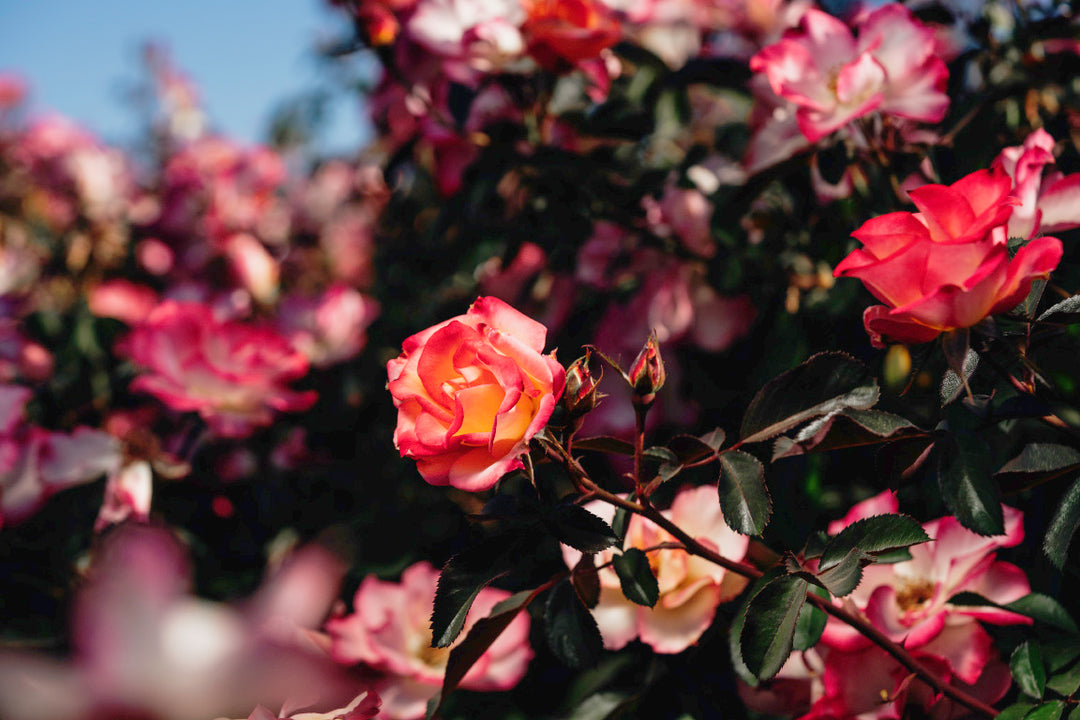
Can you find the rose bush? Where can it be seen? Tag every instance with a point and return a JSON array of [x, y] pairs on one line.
[[471, 392], [948, 265]]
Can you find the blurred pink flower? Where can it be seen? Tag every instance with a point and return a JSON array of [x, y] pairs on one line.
[[389, 631], [690, 587], [1050, 201], [330, 328], [122, 299], [828, 77], [127, 496], [233, 374], [256, 270], [35, 464], [145, 648]]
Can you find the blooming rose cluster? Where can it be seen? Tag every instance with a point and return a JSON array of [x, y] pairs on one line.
[[471, 392], [845, 675], [233, 276], [388, 631]]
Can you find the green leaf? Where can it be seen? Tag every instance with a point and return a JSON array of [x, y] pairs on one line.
[[714, 439], [967, 486], [744, 499], [1068, 306], [636, 577], [571, 631], [688, 448], [873, 535], [580, 529], [951, 385], [1047, 711], [811, 624], [1062, 659], [1039, 458], [462, 579], [844, 575], [586, 581], [1016, 711], [1045, 609], [845, 429], [1028, 670], [769, 628], [1063, 526], [825, 383], [479, 638], [621, 521]]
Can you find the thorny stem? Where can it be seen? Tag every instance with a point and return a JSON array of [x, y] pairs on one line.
[[692, 546], [639, 445]]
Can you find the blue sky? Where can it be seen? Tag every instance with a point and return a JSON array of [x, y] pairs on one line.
[[245, 56]]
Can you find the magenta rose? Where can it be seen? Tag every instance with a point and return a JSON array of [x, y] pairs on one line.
[[948, 265]]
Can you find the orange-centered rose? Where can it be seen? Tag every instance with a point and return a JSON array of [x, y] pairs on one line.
[[948, 265], [471, 392]]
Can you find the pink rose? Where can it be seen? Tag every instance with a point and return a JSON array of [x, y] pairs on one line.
[[832, 78], [390, 632], [690, 587], [1048, 203], [329, 328], [471, 392], [909, 601], [947, 266], [234, 375]]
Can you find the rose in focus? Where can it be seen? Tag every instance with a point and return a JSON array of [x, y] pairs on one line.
[[234, 375], [471, 392], [948, 265]]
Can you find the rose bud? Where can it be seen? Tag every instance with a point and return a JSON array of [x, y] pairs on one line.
[[647, 374], [581, 393]]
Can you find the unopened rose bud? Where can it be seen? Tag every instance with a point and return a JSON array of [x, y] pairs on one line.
[[581, 386], [647, 373]]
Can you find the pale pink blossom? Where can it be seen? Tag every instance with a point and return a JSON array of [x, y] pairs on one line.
[[1049, 201], [122, 299], [471, 37], [690, 588], [144, 647], [685, 213], [330, 328], [910, 601], [389, 631], [127, 496], [256, 270], [364, 706], [828, 77], [234, 375], [35, 464]]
